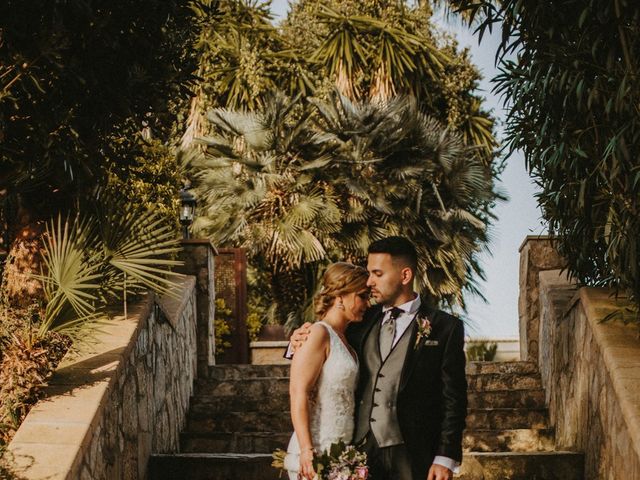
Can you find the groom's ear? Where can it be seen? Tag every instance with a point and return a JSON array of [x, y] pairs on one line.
[[406, 276]]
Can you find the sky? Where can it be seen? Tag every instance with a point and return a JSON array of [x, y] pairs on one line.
[[517, 218]]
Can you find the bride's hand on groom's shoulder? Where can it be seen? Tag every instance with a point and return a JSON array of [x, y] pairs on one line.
[[299, 336]]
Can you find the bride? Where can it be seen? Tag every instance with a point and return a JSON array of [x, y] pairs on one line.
[[324, 370]]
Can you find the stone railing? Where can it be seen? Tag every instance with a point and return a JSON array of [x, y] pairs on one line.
[[591, 372], [590, 369], [107, 410]]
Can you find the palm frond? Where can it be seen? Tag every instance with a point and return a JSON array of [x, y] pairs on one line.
[[71, 279]]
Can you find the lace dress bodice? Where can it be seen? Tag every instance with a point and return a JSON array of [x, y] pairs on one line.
[[332, 402]]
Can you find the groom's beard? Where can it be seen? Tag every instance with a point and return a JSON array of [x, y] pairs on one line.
[[388, 300]]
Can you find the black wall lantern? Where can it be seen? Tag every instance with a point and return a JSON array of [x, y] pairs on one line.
[[187, 210]]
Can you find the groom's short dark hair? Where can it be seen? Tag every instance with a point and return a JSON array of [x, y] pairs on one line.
[[399, 248]]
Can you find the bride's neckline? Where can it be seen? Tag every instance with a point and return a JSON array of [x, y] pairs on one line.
[[343, 341]]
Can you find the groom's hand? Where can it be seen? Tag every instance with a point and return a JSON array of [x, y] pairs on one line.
[[438, 472], [299, 336]]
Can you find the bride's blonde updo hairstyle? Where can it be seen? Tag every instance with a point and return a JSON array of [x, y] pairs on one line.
[[339, 279]]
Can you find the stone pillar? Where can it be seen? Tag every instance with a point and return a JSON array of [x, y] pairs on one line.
[[537, 254], [198, 257]]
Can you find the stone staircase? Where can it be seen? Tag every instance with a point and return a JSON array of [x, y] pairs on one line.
[[240, 414]]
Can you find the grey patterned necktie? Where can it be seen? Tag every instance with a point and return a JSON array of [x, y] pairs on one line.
[[388, 332]]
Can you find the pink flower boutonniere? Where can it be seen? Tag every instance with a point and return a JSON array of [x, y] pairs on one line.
[[424, 329]]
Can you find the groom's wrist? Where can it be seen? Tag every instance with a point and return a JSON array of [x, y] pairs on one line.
[[288, 354], [447, 462]]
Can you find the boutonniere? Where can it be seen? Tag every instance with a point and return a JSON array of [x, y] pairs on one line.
[[424, 329]]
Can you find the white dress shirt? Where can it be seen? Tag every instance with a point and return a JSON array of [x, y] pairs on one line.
[[409, 311], [403, 321]]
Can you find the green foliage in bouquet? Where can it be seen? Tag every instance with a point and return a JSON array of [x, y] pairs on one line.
[[342, 461]]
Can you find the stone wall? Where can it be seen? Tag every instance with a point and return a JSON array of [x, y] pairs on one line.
[[107, 410], [536, 254], [591, 372]]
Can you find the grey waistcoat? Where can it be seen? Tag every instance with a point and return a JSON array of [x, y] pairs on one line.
[[377, 410]]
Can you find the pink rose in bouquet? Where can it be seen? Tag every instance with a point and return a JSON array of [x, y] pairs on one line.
[[361, 473]]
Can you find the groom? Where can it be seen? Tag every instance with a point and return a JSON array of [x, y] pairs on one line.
[[412, 391]]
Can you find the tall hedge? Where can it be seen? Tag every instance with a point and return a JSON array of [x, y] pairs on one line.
[[573, 93]]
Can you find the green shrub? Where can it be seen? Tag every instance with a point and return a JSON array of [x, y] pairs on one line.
[[254, 325], [222, 326], [27, 360], [481, 351]]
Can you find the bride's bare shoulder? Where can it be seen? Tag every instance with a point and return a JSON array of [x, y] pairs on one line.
[[318, 335], [319, 331], [317, 341]]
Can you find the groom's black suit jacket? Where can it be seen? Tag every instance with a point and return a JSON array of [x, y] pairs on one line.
[[432, 398]]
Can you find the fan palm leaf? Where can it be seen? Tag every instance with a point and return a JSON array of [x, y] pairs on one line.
[[90, 260], [136, 244], [71, 279]]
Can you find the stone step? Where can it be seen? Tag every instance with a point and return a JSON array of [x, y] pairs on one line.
[[251, 388], [487, 382], [279, 399], [220, 404], [513, 440], [200, 420], [484, 391], [259, 387], [241, 371], [522, 466], [509, 440], [518, 368], [506, 399], [476, 466], [212, 466], [236, 442], [506, 418]]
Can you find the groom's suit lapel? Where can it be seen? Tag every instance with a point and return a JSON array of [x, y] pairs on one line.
[[415, 349]]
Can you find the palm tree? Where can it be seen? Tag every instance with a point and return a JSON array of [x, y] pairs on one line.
[[258, 192], [387, 55], [300, 187], [398, 171], [379, 49]]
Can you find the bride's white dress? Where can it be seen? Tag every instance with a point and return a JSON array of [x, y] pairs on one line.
[[331, 404]]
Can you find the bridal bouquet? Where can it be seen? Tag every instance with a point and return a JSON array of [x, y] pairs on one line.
[[339, 462]]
